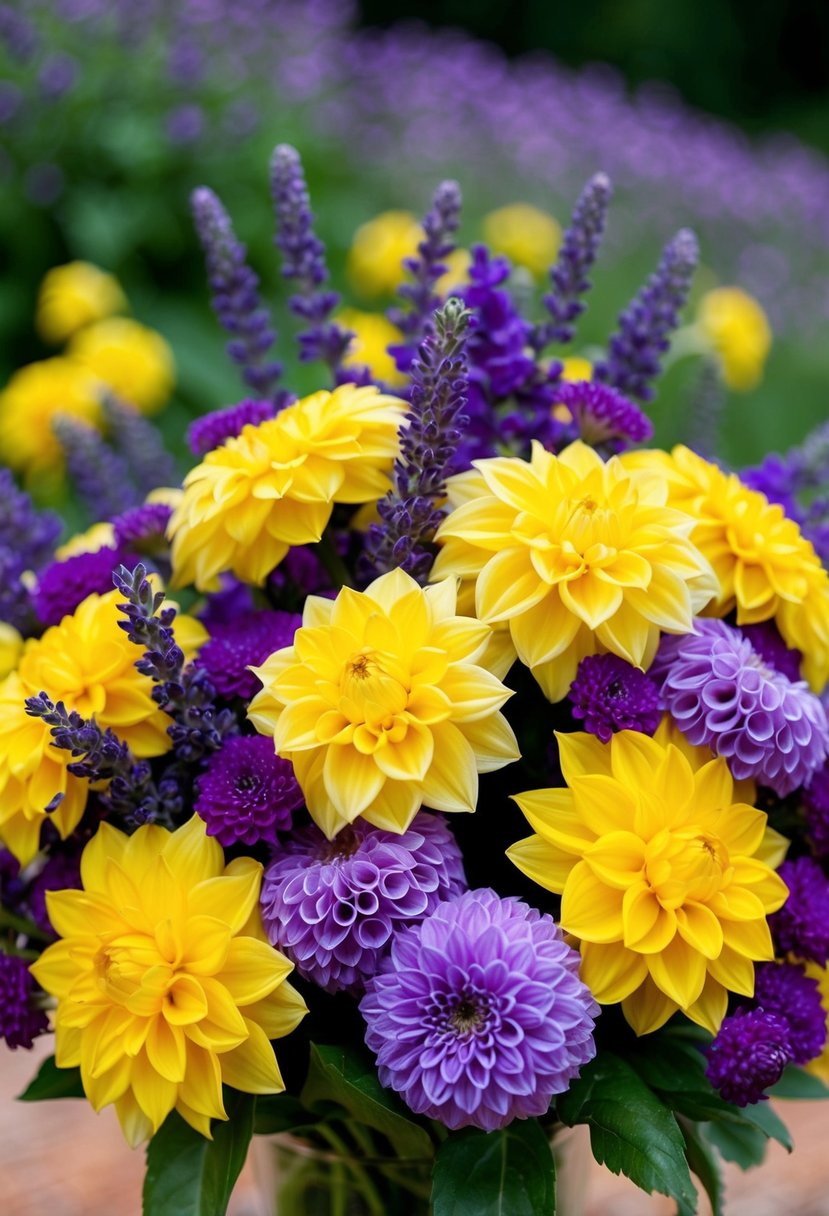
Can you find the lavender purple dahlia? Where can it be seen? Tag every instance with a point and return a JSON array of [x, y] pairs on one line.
[[479, 1016], [247, 793], [332, 906], [723, 695]]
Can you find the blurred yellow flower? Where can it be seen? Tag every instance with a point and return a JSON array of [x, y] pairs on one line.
[[131, 360], [665, 878], [11, 645], [33, 397], [377, 251], [166, 987], [820, 1065], [766, 568], [373, 334], [738, 330], [87, 662], [73, 296], [577, 554], [275, 484], [98, 536], [381, 705], [526, 235]]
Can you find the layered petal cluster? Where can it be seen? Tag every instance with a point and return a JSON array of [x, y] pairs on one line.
[[666, 878], [766, 568], [274, 484], [165, 985], [381, 705], [479, 1016], [577, 555], [87, 662]]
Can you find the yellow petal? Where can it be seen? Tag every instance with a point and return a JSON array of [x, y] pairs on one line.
[[192, 855], [589, 909], [679, 971], [542, 862], [252, 970], [611, 971], [230, 897], [451, 783], [252, 1066], [699, 927], [710, 1008], [647, 1008]]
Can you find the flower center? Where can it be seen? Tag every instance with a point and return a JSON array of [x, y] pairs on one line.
[[466, 1017], [370, 693], [693, 865]]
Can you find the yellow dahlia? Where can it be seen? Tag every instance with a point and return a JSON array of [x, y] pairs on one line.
[[528, 236], [666, 880], [133, 361], [372, 335], [766, 568], [88, 663], [74, 295], [820, 1065], [381, 706], [166, 988], [737, 329], [33, 397], [275, 484], [375, 260], [576, 554]]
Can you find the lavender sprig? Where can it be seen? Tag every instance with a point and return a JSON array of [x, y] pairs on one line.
[[184, 692], [576, 256], [131, 794], [303, 261], [140, 444], [27, 538], [646, 324], [439, 225], [100, 476], [427, 448], [236, 299]]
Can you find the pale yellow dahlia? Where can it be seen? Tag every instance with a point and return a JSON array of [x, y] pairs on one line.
[[73, 296], [766, 568], [381, 705], [166, 987], [375, 260], [735, 326], [131, 360], [34, 396], [275, 484], [666, 879], [87, 662], [371, 336], [576, 555], [528, 236]]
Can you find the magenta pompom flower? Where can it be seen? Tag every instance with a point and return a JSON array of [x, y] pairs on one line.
[[801, 926], [62, 585], [723, 695], [609, 695], [332, 906], [602, 416], [479, 1016], [242, 642], [786, 990], [247, 793], [749, 1053]]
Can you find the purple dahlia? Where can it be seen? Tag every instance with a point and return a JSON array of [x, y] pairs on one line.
[[332, 906], [749, 1053], [242, 642], [723, 695], [215, 428], [247, 793], [801, 926], [479, 1016], [20, 1021], [786, 990], [65, 584], [609, 695]]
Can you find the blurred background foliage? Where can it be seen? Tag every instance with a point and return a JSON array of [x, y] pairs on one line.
[[101, 166]]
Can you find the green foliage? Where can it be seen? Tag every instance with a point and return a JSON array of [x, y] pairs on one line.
[[505, 1173], [704, 1162], [53, 1082], [188, 1175], [797, 1083]]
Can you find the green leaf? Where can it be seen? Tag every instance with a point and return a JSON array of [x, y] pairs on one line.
[[188, 1175], [53, 1082], [632, 1131], [797, 1083], [704, 1163], [276, 1113], [506, 1173], [675, 1068], [742, 1143], [347, 1078], [762, 1115]]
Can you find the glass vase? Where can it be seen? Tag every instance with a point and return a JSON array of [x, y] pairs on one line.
[[296, 1178]]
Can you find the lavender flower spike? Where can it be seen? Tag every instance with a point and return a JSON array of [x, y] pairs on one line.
[[427, 447], [140, 444], [646, 324], [303, 260], [235, 288], [439, 225], [100, 476], [577, 254]]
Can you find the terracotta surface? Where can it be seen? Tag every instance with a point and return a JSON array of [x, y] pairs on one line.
[[61, 1159]]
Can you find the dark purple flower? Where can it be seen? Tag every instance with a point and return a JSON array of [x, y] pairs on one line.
[[609, 695], [213, 429], [576, 256], [479, 1016], [801, 926], [410, 513], [247, 793], [20, 1021], [766, 641], [99, 475], [722, 695], [143, 529], [786, 990], [27, 538], [139, 442], [64, 584], [816, 808], [236, 299], [245, 642], [748, 1055], [12, 886], [636, 349], [601, 416], [332, 906], [61, 872]]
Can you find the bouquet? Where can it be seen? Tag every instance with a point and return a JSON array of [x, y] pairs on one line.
[[439, 767]]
